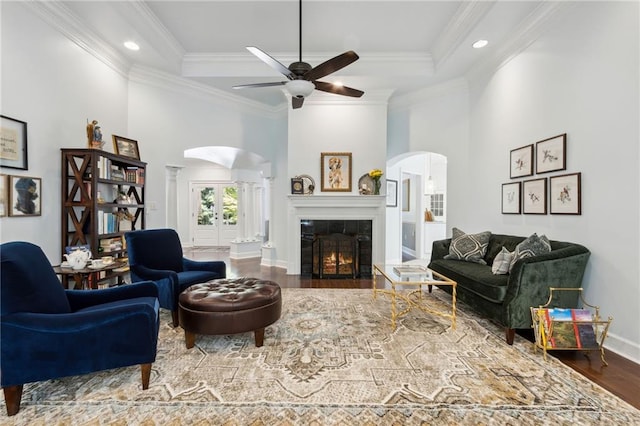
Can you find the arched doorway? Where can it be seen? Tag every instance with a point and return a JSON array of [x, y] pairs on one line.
[[419, 218]]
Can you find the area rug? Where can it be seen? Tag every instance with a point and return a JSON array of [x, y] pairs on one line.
[[333, 359]]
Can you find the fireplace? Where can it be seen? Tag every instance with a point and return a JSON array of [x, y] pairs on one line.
[[362, 216], [336, 248]]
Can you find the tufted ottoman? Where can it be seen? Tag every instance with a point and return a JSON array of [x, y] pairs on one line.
[[229, 306]]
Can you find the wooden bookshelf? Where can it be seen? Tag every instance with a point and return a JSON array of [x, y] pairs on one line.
[[102, 198]]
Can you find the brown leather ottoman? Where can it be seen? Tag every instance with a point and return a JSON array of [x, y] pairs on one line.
[[229, 306]]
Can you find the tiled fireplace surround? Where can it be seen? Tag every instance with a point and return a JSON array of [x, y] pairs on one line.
[[334, 207]]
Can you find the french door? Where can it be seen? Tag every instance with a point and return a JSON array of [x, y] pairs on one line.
[[214, 213]]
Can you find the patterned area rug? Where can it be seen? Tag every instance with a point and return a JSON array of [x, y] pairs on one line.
[[333, 359]]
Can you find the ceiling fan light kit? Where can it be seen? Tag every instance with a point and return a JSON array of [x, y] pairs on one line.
[[303, 79], [300, 88]]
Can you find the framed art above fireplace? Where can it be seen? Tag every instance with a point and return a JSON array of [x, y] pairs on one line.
[[335, 172]]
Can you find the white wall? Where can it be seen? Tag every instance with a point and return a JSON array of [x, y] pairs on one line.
[[54, 86], [582, 79], [358, 127]]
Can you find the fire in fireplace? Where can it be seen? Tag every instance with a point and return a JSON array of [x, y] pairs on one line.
[[336, 248], [335, 256]]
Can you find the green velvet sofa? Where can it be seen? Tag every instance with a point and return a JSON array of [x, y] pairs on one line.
[[506, 299]]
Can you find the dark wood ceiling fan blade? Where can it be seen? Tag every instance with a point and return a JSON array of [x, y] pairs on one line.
[[245, 86], [332, 65], [296, 102], [273, 63], [337, 89]]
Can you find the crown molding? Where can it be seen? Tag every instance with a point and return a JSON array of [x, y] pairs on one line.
[[466, 18], [157, 29], [528, 31], [63, 20], [169, 82]]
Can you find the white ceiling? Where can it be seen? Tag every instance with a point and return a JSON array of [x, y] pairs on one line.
[[403, 46]]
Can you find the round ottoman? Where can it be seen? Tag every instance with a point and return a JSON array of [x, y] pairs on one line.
[[229, 306]]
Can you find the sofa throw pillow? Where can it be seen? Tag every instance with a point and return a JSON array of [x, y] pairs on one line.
[[532, 246], [502, 262], [468, 247]]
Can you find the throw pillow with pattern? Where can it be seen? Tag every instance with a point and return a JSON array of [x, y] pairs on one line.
[[532, 246], [502, 262], [468, 247]]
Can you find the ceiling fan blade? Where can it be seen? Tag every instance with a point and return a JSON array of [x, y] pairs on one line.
[[332, 65], [244, 86], [273, 63], [296, 102], [337, 89]]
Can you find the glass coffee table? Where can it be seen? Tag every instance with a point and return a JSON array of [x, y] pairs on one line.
[[412, 276]]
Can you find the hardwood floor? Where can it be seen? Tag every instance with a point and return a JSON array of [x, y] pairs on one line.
[[621, 377]]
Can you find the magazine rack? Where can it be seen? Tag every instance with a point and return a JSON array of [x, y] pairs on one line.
[[569, 329]]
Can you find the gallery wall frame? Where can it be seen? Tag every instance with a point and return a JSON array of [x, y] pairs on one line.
[[551, 154], [534, 196], [566, 194], [406, 195], [392, 193], [13, 149], [521, 162], [511, 198], [25, 196], [4, 195], [335, 171], [125, 147]]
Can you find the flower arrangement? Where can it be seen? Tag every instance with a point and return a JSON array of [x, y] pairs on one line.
[[376, 174]]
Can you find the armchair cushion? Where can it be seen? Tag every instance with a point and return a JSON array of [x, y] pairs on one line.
[[39, 290]]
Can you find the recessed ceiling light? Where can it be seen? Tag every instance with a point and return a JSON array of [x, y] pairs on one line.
[[480, 44], [131, 45]]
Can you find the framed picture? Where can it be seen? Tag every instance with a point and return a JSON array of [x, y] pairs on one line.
[[551, 154], [565, 193], [521, 162], [126, 147], [297, 185], [13, 151], [534, 196], [4, 195], [406, 195], [511, 198], [392, 193], [335, 171], [25, 196]]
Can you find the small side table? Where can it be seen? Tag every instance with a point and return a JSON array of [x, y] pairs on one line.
[[81, 276]]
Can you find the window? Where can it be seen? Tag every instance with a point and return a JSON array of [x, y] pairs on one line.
[[437, 205]]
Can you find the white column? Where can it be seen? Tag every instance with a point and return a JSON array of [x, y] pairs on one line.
[[268, 248], [171, 196]]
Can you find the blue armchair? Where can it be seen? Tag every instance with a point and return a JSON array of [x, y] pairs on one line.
[[48, 332], [156, 255]]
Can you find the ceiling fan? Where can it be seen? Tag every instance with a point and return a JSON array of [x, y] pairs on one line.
[[303, 78]]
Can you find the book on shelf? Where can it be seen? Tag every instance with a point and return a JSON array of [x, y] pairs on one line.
[[564, 328]]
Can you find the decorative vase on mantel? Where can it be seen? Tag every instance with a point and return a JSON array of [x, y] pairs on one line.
[[375, 175], [376, 186]]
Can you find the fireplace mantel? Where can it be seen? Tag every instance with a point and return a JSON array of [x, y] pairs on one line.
[[333, 207]]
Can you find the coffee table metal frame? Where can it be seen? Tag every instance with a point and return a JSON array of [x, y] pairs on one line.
[[414, 298]]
